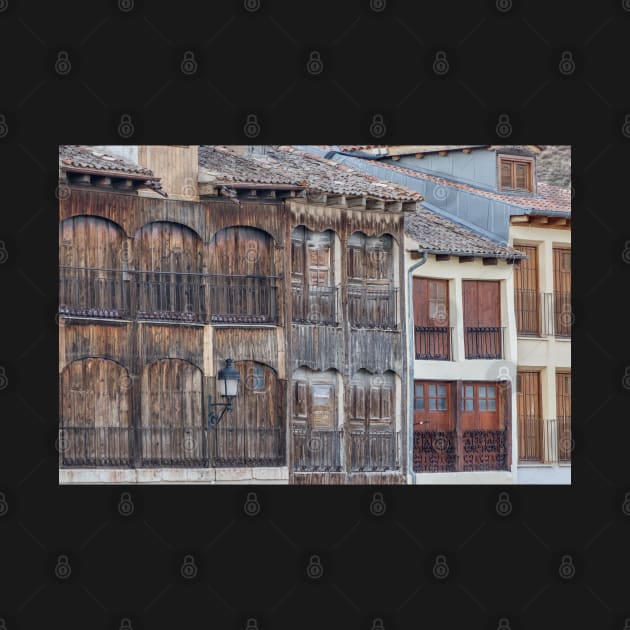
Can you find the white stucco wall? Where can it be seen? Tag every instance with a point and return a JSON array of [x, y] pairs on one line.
[[461, 368]]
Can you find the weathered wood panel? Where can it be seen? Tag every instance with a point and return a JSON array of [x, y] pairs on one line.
[[246, 344], [89, 338], [95, 401], [317, 347], [93, 242], [375, 350], [157, 341], [176, 166], [172, 422]]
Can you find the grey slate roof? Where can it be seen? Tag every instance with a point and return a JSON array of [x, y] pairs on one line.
[[438, 235], [290, 166]]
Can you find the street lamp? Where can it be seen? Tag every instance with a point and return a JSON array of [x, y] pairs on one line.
[[227, 386]]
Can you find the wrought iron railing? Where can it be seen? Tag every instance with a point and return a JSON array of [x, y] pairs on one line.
[[97, 447], [373, 451], [562, 314], [527, 304], [170, 447], [243, 299], [565, 441], [315, 305], [94, 292], [372, 307], [316, 450], [434, 342], [531, 431], [234, 447], [484, 450], [434, 451], [483, 342], [170, 296]]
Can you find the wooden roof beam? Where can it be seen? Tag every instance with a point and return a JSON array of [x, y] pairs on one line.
[[375, 204], [101, 180], [316, 197], [465, 259], [356, 202], [490, 261], [393, 206], [336, 200], [409, 206], [442, 153], [519, 218], [442, 257]]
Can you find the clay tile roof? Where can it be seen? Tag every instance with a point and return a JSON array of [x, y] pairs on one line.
[[438, 235], [548, 199], [388, 149], [285, 165]]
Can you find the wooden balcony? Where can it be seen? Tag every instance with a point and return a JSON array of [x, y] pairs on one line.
[[317, 450], [315, 305], [170, 447], [243, 299], [373, 451], [371, 307]]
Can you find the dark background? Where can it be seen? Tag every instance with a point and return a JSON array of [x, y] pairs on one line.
[[123, 58]]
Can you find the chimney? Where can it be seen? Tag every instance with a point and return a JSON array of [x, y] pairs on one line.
[[175, 165]]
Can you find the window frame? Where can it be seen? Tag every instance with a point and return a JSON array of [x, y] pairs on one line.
[[512, 160]]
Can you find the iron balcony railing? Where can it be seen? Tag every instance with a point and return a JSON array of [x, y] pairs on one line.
[[234, 447], [94, 292], [170, 447], [543, 314], [544, 440], [434, 342], [371, 451], [317, 450], [434, 451], [483, 342], [484, 450], [372, 307], [166, 296], [315, 305], [243, 299]]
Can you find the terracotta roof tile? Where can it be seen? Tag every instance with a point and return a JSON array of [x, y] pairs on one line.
[[290, 166], [81, 157], [437, 234], [549, 198]]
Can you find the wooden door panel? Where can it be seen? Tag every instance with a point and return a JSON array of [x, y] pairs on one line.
[[481, 406], [432, 406]]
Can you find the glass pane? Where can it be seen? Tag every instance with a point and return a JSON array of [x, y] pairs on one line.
[[468, 404], [432, 406], [321, 394], [492, 405], [482, 404], [442, 404], [432, 390], [468, 391], [492, 392], [419, 391], [442, 390], [482, 392], [420, 403]]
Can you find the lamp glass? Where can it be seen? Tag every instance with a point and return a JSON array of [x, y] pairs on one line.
[[228, 379]]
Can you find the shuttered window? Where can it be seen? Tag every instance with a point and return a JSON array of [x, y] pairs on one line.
[[515, 174]]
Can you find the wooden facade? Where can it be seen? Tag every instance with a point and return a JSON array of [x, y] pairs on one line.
[[306, 296]]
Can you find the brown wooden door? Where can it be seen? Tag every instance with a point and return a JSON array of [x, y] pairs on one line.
[[563, 414], [95, 402], [431, 318], [482, 319], [526, 291], [172, 420], [530, 422], [481, 406], [562, 290], [432, 406]]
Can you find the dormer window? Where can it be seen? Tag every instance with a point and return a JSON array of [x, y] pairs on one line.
[[516, 174]]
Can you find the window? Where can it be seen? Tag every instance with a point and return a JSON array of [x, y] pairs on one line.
[[526, 291], [516, 174], [432, 407], [372, 398], [480, 406]]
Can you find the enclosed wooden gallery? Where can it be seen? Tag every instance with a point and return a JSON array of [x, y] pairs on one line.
[[288, 265]]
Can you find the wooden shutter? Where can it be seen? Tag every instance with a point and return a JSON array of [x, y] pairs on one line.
[[529, 416], [482, 306], [526, 291], [521, 175], [505, 171], [300, 390], [563, 394]]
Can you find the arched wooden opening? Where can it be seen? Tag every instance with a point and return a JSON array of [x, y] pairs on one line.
[[371, 287], [95, 400], [169, 264], [313, 278], [243, 285], [253, 433], [317, 439], [372, 436], [92, 257], [172, 423]]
